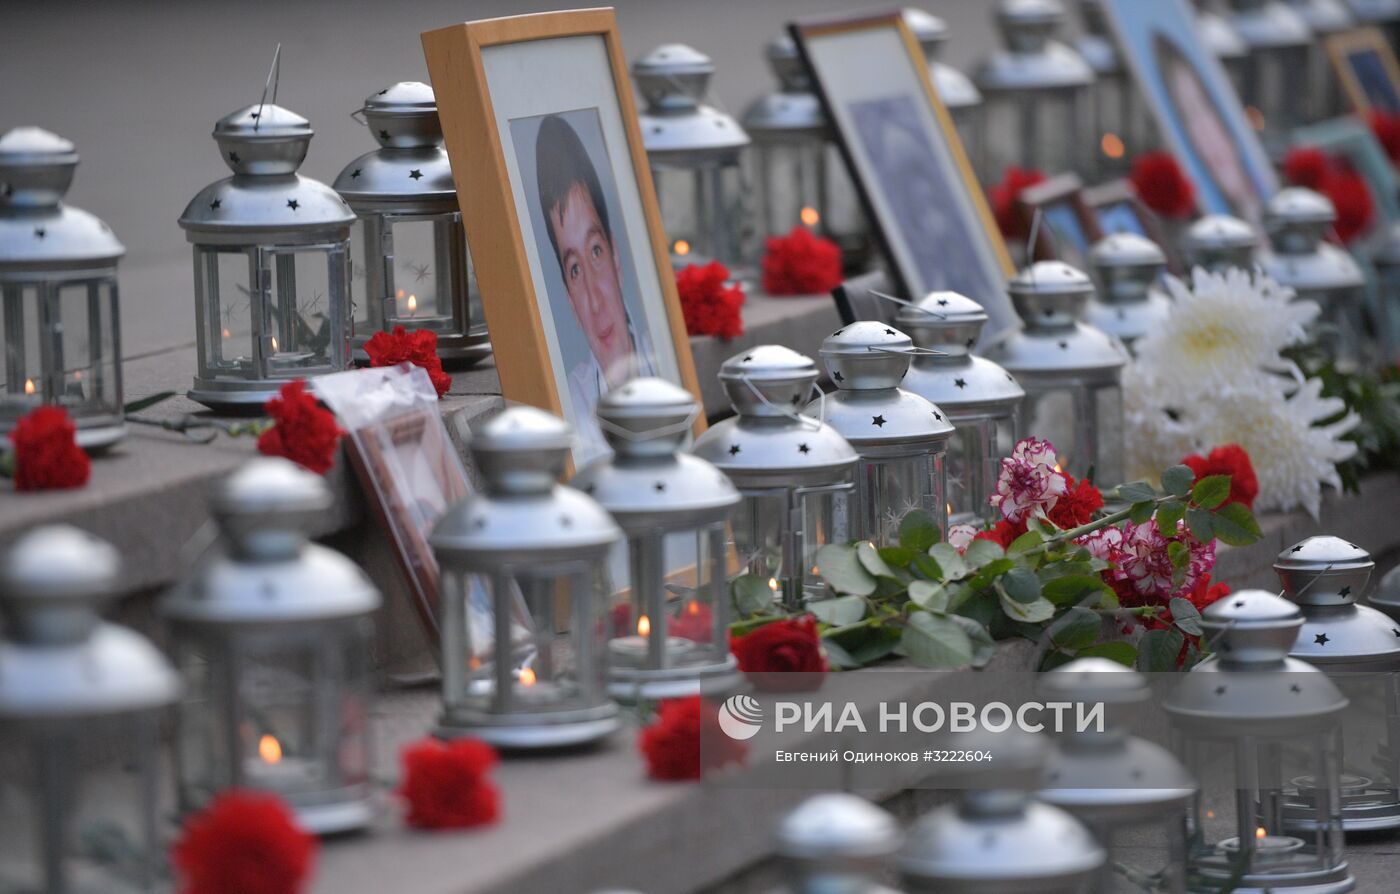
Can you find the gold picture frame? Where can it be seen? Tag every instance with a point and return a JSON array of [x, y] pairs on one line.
[[1366, 54]]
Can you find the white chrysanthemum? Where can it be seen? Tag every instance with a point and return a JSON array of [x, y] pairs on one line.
[[1226, 327], [1156, 441]]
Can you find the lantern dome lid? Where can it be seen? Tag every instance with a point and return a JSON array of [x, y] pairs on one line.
[[1030, 12], [1042, 848], [1266, 24], [1115, 779], [410, 167], [674, 60], [407, 99], [1322, 554], [1324, 16], [523, 429], [1047, 278], [928, 29], [1387, 249], [942, 310], [1327, 268], [1079, 348], [793, 109], [647, 408], [1220, 232], [867, 355], [59, 660], [1096, 680], [1325, 571], [786, 64], [1375, 12], [768, 380], [837, 826], [271, 486], [1127, 250], [1386, 595], [1219, 36], [1297, 205], [766, 363], [955, 89], [673, 80], [948, 325], [37, 231], [36, 168], [404, 116], [262, 122], [1031, 60]]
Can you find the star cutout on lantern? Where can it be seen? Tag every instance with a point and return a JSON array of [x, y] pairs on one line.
[[890, 332], [1295, 688], [938, 416], [415, 174], [1320, 639], [838, 332], [796, 399], [216, 204], [1344, 592], [293, 204], [588, 488], [803, 448], [660, 487], [355, 174], [479, 524], [1220, 690], [565, 521], [1064, 346], [1395, 630], [40, 232], [1049, 312], [747, 358], [838, 377], [1297, 549], [1122, 314], [384, 135], [733, 449], [878, 421], [970, 342], [961, 383], [942, 302], [233, 157]]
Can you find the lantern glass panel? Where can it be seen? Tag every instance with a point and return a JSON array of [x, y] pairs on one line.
[[1085, 423], [225, 278], [825, 511], [1274, 79], [892, 488], [304, 288], [60, 349], [422, 269], [762, 531], [687, 569], [364, 235], [23, 374], [1118, 123], [974, 461], [702, 211], [1044, 129]]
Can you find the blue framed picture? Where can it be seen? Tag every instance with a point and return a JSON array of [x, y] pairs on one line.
[[1366, 65]]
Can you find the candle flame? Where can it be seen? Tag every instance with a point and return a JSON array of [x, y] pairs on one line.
[[644, 626], [682, 247], [1112, 145], [773, 584], [809, 216], [412, 304], [227, 334], [527, 676], [77, 375], [269, 749], [692, 608], [1260, 833], [28, 386], [1210, 814], [474, 663], [399, 293], [274, 344]]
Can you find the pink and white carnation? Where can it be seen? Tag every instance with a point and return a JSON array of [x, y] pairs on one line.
[[1029, 481], [1142, 567], [959, 536]]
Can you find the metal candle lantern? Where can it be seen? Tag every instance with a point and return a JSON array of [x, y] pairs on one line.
[[58, 294], [1276, 70], [958, 94], [1128, 304], [1039, 104], [1297, 220], [417, 272], [996, 838], [271, 264], [1072, 372], [671, 628], [1222, 40], [837, 844], [902, 438], [1385, 259], [1219, 242], [694, 152], [1360, 647], [981, 400], [1324, 18], [1119, 115], [1384, 14], [273, 635], [1113, 782], [794, 472], [69, 682], [801, 178], [1235, 717], [537, 548]]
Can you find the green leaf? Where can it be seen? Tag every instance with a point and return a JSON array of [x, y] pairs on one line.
[[1056, 659], [899, 556], [1236, 525], [934, 641], [983, 552], [1041, 526], [918, 531], [1169, 515], [929, 595], [1118, 651], [950, 561], [1185, 616], [1074, 589], [1211, 491], [1179, 554], [1137, 492], [1157, 650], [983, 646], [1026, 612], [751, 595], [1178, 480], [869, 557], [1021, 584], [1076, 629], [1201, 524], [838, 612], [137, 406], [1139, 513], [843, 570], [990, 572], [864, 645], [926, 566], [837, 656], [1025, 543]]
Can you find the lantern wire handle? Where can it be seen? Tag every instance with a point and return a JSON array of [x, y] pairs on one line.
[[1031, 242], [803, 419], [659, 431], [903, 302], [911, 351], [274, 80]]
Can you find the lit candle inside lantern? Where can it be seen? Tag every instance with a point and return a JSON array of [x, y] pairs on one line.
[[681, 248], [1112, 145], [29, 386], [273, 769], [632, 651], [810, 217], [527, 676], [412, 305], [286, 359]]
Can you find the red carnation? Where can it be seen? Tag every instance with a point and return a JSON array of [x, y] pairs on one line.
[[709, 305], [1204, 593], [418, 347], [243, 843], [1386, 127], [446, 784], [1077, 505], [1232, 460], [47, 455], [1351, 196], [305, 432], [1162, 185], [1003, 195], [801, 264], [1306, 166], [685, 739], [1003, 533]]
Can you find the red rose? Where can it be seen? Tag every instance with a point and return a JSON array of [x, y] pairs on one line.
[[1306, 166], [789, 646], [446, 784], [709, 306], [1003, 533], [1386, 127], [1162, 185], [801, 264], [1002, 197], [1077, 505], [1232, 460], [418, 347], [305, 432], [47, 455], [243, 843], [672, 744]]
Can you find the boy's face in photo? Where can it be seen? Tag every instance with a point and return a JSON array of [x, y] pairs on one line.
[[593, 277]]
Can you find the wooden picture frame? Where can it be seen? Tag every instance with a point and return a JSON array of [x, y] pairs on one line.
[[1067, 229], [920, 194], [502, 86], [1365, 63], [1118, 209]]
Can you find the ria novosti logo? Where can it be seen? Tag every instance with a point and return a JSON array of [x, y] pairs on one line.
[[741, 717]]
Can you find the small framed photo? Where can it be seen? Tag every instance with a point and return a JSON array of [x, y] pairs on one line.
[[541, 130], [925, 205], [1354, 141], [1067, 229], [1365, 62], [1117, 209], [1194, 105]]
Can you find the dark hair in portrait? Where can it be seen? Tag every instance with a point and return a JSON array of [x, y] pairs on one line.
[[561, 163]]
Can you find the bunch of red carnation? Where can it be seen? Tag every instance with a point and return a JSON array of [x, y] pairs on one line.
[[243, 843], [1337, 179], [710, 305], [1003, 195], [685, 740], [418, 347], [46, 451], [801, 263], [1386, 127], [446, 786], [1162, 185], [303, 431]]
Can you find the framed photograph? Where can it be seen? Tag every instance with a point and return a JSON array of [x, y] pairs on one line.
[[1068, 229], [1365, 63], [924, 203], [858, 298], [1197, 111], [1353, 140], [1117, 209], [541, 130]]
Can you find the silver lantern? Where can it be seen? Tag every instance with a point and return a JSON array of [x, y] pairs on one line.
[[694, 152], [800, 177], [1276, 70], [1236, 717], [1385, 259], [669, 620], [1219, 242], [955, 90], [902, 438], [75, 690], [1384, 14], [1072, 372], [1039, 104], [1324, 18], [271, 264], [1128, 304], [837, 843], [1118, 785], [1386, 595], [1297, 221], [996, 838], [1359, 647], [58, 294], [415, 268], [273, 635], [513, 557], [981, 400], [1222, 41], [1119, 114], [796, 473]]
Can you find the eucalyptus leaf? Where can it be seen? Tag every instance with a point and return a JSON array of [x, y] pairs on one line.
[[843, 570], [1178, 480], [926, 566], [864, 645], [1137, 492], [1201, 523], [934, 641], [1026, 612], [1158, 650], [918, 531], [981, 552], [1075, 629], [899, 556], [991, 571], [929, 595], [751, 594], [1074, 589], [1118, 651], [1021, 584], [1055, 658], [949, 560], [837, 656], [1185, 616], [869, 557], [984, 648], [838, 612], [1211, 491], [1236, 525]]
